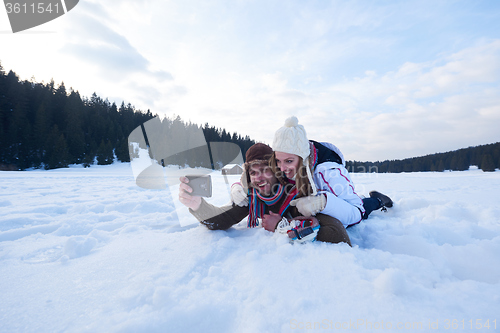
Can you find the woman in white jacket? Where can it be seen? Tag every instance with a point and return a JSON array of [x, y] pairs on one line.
[[323, 182]]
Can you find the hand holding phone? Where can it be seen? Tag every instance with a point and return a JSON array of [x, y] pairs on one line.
[[186, 196], [201, 185]]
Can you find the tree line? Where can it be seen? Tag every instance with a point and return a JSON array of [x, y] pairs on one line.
[[485, 157], [44, 126]]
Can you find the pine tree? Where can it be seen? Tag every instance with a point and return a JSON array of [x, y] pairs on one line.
[[59, 100], [487, 164], [57, 150], [19, 129], [105, 153], [3, 111], [440, 166], [74, 127]]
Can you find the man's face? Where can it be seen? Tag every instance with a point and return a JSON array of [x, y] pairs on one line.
[[262, 178]]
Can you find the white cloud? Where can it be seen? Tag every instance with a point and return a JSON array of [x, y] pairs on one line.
[[426, 108]]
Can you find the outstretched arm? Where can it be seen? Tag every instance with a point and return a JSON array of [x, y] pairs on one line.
[[214, 218]]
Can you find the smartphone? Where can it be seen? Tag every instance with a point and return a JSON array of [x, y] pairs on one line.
[[201, 185], [300, 233], [304, 232]]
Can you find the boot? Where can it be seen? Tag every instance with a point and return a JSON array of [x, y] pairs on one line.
[[385, 201]]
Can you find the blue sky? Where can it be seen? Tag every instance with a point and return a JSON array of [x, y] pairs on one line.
[[380, 79]]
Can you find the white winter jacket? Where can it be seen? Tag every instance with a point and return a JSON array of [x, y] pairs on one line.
[[334, 181]]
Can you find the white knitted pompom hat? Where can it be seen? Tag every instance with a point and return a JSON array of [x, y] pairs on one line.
[[292, 139]]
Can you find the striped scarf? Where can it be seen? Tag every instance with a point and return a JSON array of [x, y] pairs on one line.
[[259, 202], [314, 158]]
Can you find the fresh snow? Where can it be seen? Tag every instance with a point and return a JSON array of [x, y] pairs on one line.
[[87, 250]]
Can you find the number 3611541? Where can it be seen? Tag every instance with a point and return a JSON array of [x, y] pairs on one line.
[[40, 8]]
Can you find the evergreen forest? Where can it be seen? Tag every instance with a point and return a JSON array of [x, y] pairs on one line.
[[44, 126], [485, 157]]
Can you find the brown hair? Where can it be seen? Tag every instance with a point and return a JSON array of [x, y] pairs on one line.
[[301, 180]]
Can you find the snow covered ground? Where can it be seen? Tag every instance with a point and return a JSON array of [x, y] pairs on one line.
[[86, 250]]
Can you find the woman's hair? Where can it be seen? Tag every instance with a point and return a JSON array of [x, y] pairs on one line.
[[301, 180]]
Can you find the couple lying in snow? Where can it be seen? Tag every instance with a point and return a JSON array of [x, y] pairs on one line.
[[298, 187]]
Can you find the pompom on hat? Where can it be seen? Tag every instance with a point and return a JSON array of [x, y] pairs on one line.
[[292, 139]]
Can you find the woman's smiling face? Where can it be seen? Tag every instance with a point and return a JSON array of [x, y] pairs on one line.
[[288, 163]]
